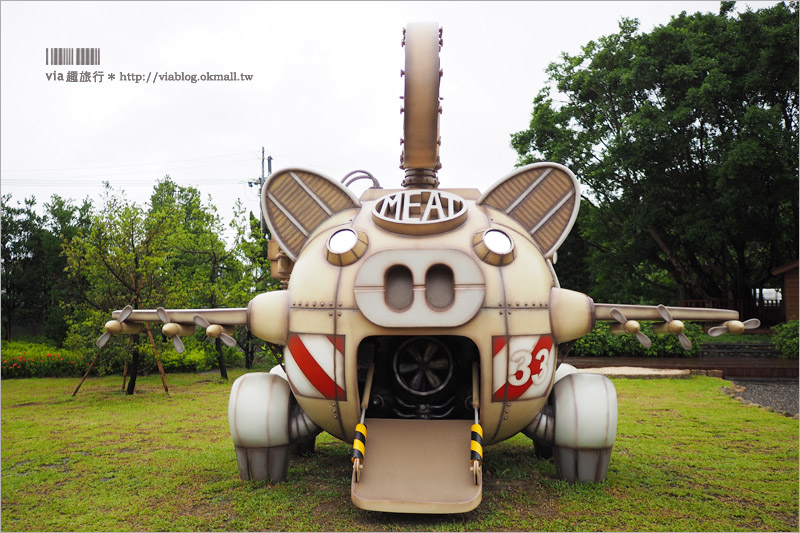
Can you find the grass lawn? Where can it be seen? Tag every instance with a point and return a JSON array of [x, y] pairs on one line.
[[687, 458]]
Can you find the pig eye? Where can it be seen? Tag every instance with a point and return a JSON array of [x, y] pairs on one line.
[[494, 246], [342, 241], [346, 246], [498, 242]]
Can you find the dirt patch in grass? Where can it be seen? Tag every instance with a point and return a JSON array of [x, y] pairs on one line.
[[28, 404]]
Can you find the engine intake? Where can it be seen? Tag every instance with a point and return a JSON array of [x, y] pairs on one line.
[[419, 377]]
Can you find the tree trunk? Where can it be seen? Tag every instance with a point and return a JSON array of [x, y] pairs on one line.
[[223, 372], [249, 350], [134, 369]]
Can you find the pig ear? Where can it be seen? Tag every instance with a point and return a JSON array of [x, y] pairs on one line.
[[296, 201], [543, 197]]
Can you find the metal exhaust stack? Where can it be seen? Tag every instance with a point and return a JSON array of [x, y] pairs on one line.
[[420, 156]]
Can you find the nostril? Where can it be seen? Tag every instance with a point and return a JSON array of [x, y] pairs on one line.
[[399, 287], [439, 287]]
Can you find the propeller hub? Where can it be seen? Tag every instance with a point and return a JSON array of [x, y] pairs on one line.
[[214, 331], [675, 326], [171, 329], [735, 326], [113, 326], [632, 326]]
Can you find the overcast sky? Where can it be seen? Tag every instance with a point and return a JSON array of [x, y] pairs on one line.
[[324, 92]]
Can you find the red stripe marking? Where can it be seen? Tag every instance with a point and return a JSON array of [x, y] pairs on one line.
[[315, 374], [338, 341], [515, 391], [498, 343]]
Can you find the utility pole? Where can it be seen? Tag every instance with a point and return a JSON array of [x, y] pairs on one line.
[[260, 182], [260, 188]]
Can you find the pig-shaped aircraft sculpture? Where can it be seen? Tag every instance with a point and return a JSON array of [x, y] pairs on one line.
[[430, 317]]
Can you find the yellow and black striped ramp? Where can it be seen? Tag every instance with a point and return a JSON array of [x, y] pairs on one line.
[[296, 201], [417, 466], [543, 197]]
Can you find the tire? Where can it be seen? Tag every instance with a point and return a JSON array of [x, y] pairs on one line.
[[258, 416], [585, 410]]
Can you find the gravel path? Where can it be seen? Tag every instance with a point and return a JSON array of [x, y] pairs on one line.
[[781, 395]]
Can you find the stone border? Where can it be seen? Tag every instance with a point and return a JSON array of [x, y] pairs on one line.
[[734, 391]]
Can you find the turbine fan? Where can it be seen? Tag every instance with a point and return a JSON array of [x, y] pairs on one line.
[[171, 329], [672, 326], [734, 326], [114, 326], [628, 326], [215, 330], [423, 366]]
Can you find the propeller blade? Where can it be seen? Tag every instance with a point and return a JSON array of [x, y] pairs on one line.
[[717, 331], [126, 312], [664, 312], [201, 321], [103, 339], [685, 342], [162, 315], [176, 340], [643, 339], [753, 323], [617, 315], [228, 340]]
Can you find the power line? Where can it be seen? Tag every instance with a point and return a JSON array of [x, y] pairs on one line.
[[33, 182], [104, 176], [249, 152]]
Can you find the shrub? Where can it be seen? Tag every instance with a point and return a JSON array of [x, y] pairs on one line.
[[602, 343], [22, 359], [193, 359], [39, 358], [786, 338]]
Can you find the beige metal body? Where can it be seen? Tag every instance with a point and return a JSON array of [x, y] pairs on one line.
[[417, 312], [512, 302]]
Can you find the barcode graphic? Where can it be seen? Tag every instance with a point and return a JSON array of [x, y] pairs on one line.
[[72, 56]]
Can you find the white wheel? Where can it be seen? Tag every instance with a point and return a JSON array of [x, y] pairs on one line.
[[258, 416], [585, 410]]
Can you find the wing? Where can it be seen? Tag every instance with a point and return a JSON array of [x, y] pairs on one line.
[[266, 316], [223, 317], [651, 312], [627, 317], [177, 323]]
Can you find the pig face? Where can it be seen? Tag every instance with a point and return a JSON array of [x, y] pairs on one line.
[[424, 284]]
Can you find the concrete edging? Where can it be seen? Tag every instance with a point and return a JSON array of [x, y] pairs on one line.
[[649, 373]]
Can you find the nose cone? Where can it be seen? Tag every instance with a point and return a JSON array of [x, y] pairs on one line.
[[419, 288]]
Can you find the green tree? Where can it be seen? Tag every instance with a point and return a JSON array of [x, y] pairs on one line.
[[256, 279], [120, 261], [33, 280], [23, 249], [687, 141], [206, 270]]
